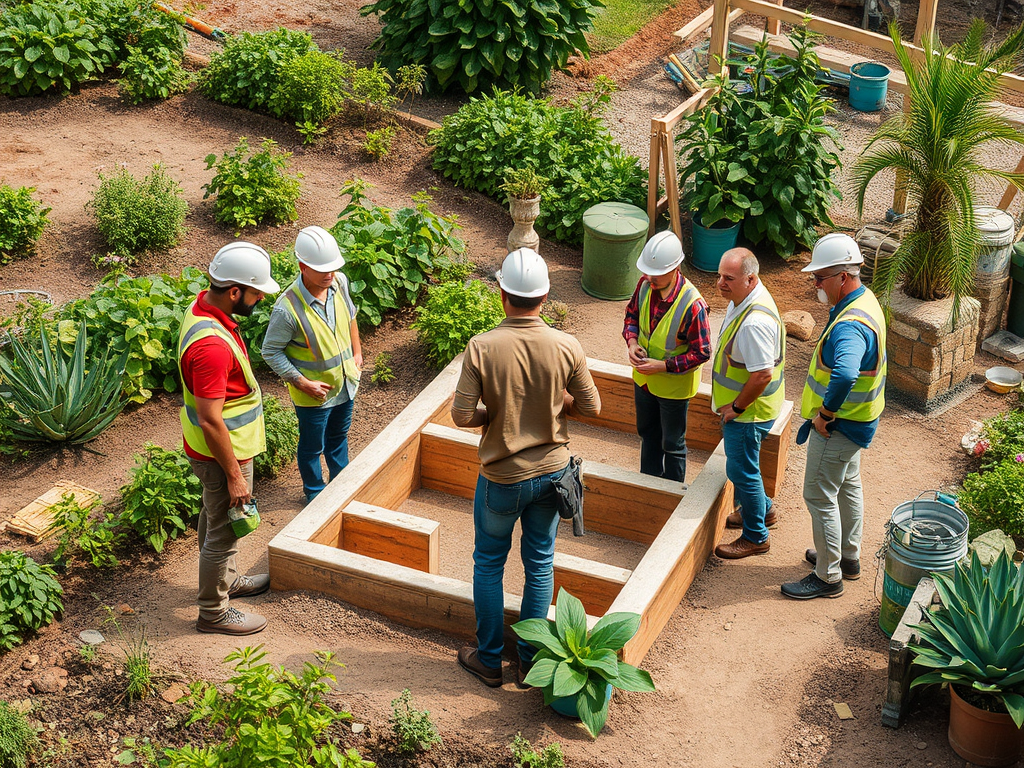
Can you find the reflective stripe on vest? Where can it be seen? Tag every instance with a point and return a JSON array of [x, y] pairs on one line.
[[326, 355], [243, 416], [866, 400], [728, 377], [672, 386]]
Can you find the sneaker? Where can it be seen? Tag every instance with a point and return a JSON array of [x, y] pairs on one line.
[[469, 660], [850, 568], [521, 672], [247, 586], [233, 622], [810, 586], [735, 519]]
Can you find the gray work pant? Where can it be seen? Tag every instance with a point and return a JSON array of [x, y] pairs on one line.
[[833, 494]]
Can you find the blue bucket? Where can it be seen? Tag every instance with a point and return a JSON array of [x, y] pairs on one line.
[[869, 83], [710, 243]]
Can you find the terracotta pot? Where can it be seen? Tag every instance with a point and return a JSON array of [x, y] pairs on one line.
[[982, 737], [524, 212]]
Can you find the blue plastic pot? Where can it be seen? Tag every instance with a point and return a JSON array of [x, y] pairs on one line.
[[566, 706], [869, 83], [710, 243]]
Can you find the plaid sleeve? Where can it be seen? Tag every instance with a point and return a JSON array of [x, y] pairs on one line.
[[631, 326], [696, 330]]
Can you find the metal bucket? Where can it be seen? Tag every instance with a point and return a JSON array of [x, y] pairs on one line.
[[925, 536]]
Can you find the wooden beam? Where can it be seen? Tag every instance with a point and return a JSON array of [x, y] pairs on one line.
[[670, 120], [394, 537], [668, 159], [623, 503], [774, 26], [719, 36], [595, 584], [1011, 190], [925, 27], [653, 179], [700, 23], [449, 461]]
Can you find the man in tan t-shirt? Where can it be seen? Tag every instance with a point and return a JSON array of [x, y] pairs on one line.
[[519, 382]]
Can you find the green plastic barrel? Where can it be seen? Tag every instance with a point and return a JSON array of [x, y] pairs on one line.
[[614, 234], [1015, 312]]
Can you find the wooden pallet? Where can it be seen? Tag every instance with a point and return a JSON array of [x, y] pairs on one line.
[[35, 519]]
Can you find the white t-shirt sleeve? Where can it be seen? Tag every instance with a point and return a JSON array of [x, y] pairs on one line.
[[757, 342]]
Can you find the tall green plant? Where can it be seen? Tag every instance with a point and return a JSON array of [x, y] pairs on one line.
[[29, 597], [939, 148], [162, 495]]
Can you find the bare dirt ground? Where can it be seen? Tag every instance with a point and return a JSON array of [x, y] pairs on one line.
[[745, 678]]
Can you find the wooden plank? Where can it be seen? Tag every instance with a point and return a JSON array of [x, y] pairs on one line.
[[774, 26], [653, 179], [696, 25], [901, 671], [595, 584], [35, 520], [449, 461], [775, 451], [925, 26], [671, 182], [671, 119], [394, 537], [623, 503], [719, 36], [1011, 190]]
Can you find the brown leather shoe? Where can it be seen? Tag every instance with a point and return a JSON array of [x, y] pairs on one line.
[[741, 548], [734, 520], [247, 586], [469, 660], [522, 670], [233, 622]]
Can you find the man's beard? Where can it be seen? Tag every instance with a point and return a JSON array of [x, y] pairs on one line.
[[242, 309]]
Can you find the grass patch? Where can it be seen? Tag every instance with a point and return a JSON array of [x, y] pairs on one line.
[[620, 20]]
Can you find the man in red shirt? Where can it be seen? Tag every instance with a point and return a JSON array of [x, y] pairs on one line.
[[222, 427]]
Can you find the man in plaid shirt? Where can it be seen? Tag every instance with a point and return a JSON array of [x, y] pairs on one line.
[[668, 338]]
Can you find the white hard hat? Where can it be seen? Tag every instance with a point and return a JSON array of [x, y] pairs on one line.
[[524, 273], [834, 250], [244, 264], [661, 255], [317, 249]]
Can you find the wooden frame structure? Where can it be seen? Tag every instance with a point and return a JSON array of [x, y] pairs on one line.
[[718, 17], [350, 543]]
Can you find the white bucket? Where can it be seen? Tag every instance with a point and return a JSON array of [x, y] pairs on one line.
[[996, 229]]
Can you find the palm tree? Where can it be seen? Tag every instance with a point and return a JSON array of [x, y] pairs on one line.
[[937, 147]]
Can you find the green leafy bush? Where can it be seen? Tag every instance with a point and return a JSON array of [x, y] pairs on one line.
[[378, 143], [472, 45], [29, 597], [1004, 435], [371, 87], [152, 75], [161, 496], [389, 255], [84, 536], [22, 221], [253, 188], [312, 87], [453, 314], [246, 72], [414, 732], [135, 215], [285, 269], [995, 498], [127, 25], [525, 756], [18, 739], [382, 373], [570, 146], [282, 438]]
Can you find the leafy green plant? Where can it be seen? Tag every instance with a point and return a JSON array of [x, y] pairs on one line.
[[136, 25], [371, 87], [382, 373], [378, 143], [570, 146], [940, 147], [87, 653], [138, 670], [285, 269], [974, 641], [83, 536], [995, 498], [135, 215], [246, 72], [156, 74], [251, 188], [29, 597], [572, 662], [454, 313], [312, 87], [161, 496], [414, 732], [525, 756], [60, 396], [18, 740], [409, 81], [22, 221], [271, 717], [1004, 435], [523, 183], [282, 438], [473, 45], [139, 752]]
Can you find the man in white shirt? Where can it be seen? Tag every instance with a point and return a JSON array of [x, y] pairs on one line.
[[747, 392]]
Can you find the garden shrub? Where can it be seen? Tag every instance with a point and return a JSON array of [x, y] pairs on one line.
[[282, 428], [285, 269], [152, 75], [378, 143], [473, 45], [1004, 435], [312, 87], [29, 597], [525, 756], [570, 146], [161, 496], [18, 739], [383, 374], [251, 188], [135, 215], [22, 221], [127, 25], [412, 727], [84, 536], [995, 498], [452, 314], [371, 87]]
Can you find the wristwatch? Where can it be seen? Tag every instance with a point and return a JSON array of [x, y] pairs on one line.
[[827, 419], [736, 409]]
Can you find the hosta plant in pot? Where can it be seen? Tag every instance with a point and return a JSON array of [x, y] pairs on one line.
[[577, 669], [523, 187], [975, 644]]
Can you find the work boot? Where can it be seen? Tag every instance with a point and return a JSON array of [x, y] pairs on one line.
[[247, 586], [740, 548], [735, 519], [469, 660], [521, 672], [810, 586], [850, 568], [233, 622]]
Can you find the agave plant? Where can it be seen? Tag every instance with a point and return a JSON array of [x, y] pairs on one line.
[[938, 147], [56, 396], [976, 640], [573, 663]]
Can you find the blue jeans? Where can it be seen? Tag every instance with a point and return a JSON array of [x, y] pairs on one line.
[[661, 424], [496, 507], [743, 468], [322, 432]]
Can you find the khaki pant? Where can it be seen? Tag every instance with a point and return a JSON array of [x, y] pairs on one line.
[[835, 499], [218, 544]]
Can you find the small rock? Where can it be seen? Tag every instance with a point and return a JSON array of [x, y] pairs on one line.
[[90, 637], [26, 683], [30, 663], [922, 745], [125, 609], [107, 666], [799, 324], [50, 680], [173, 693], [843, 710], [358, 727], [728, 626]]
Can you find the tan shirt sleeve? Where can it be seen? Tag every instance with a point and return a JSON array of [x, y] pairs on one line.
[[468, 392], [587, 400]]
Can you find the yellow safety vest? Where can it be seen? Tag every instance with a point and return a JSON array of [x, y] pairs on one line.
[[320, 354], [729, 377], [672, 386], [866, 400], [243, 416]]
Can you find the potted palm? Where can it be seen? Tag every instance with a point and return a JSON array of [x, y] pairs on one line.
[[975, 644], [523, 187], [577, 669]]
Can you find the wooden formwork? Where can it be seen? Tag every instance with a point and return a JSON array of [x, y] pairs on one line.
[[351, 543]]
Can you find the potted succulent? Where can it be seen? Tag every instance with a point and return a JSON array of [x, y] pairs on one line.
[[975, 644], [577, 669], [523, 187]]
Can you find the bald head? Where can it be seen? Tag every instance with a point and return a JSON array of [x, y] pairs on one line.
[[737, 274]]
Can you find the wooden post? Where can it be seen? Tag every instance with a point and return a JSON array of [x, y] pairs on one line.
[[719, 36], [668, 157], [653, 177], [775, 25], [1011, 190]]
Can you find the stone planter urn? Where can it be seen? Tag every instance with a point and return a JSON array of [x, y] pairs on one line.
[[524, 212]]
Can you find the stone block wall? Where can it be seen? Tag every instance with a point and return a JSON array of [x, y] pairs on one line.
[[991, 292], [929, 356]]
